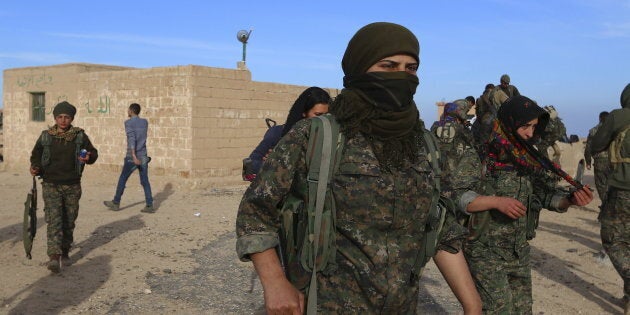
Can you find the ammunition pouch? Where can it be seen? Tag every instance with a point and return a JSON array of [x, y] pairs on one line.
[[292, 233]]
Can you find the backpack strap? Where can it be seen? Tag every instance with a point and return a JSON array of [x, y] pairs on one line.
[[437, 212], [322, 160]]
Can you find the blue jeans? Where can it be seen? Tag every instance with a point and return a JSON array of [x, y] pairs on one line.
[[128, 168]]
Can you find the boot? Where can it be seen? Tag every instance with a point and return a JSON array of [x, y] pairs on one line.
[[65, 257], [54, 264]]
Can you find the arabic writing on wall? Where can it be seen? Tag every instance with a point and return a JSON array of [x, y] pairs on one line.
[[102, 108], [34, 80], [103, 105]]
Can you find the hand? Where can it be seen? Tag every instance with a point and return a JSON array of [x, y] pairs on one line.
[[282, 297], [581, 197], [84, 159], [264, 158], [136, 161], [34, 170], [588, 166], [511, 207]]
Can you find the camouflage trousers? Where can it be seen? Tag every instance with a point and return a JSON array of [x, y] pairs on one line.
[[502, 277], [615, 233], [601, 170], [61, 209]]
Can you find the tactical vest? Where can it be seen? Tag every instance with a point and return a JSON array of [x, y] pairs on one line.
[[46, 140]]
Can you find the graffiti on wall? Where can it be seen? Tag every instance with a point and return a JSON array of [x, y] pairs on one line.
[[34, 80], [103, 105]]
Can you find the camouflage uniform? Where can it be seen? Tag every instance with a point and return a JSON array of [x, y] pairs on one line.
[[380, 219], [498, 252], [615, 214], [452, 147], [485, 112], [555, 131], [61, 209], [61, 187], [601, 164]]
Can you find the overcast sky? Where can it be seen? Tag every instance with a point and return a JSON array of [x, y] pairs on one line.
[[572, 54]]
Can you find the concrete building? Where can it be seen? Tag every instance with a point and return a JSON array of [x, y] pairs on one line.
[[202, 121]]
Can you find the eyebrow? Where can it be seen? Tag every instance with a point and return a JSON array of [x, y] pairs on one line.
[[397, 62]]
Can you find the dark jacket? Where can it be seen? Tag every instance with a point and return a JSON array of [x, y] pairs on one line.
[[615, 122], [270, 139], [62, 168]]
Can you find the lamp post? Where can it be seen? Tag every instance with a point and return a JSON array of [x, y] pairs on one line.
[[242, 37]]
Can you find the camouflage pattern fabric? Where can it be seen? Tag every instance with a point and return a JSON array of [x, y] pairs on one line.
[[379, 221], [498, 252], [451, 152], [485, 112], [61, 209], [615, 233], [555, 131], [601, 164], [502, 277], [601, 170]]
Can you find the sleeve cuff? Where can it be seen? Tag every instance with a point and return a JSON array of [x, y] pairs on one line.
[[255, 243], [466, 199]]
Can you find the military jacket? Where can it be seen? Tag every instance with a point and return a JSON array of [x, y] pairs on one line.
[[615, 122], [379, 221], [588, 156], [451, 150], [501, 232]]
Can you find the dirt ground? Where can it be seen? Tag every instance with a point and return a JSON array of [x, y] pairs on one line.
[[181, 259]]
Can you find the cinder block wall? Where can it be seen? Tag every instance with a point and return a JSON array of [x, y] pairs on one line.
[[202, 121]]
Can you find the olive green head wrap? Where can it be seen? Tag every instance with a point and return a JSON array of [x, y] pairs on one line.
[[380, 104], [376, 41]]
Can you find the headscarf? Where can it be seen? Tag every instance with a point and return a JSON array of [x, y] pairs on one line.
[[380, 104], [453, 111], [508, 151], [68, 135]]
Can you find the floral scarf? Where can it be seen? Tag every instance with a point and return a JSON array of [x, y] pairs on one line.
[[67, 135], [507, 151]]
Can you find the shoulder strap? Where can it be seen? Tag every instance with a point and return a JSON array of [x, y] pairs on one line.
[[322, 160]]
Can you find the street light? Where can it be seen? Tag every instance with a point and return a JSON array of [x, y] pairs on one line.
[[242, 37]]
